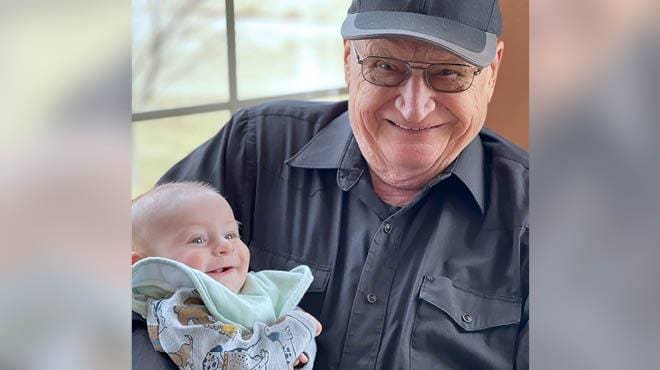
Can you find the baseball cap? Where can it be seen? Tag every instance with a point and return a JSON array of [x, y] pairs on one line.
[[467, 28]]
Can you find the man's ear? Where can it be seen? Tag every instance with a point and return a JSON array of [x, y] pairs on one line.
[[136, 256], [495, 66], [347, 56]]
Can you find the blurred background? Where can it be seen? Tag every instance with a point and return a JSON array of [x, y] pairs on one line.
[[65, 157], [196, 62], [595, 175], [69, 125]]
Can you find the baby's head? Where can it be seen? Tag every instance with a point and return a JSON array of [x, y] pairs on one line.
[[191, 223]]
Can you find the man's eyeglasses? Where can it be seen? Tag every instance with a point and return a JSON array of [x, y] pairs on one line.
[[441, 77]]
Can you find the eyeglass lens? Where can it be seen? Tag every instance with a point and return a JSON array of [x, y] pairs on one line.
[[393, 72]]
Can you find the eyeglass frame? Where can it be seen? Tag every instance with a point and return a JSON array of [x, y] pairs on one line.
[[476, 72]]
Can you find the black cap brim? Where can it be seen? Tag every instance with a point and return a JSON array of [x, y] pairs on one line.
[[475, 46]]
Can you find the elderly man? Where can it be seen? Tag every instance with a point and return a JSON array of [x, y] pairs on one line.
[[412, 217]]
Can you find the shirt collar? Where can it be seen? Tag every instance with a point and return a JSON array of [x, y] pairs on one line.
[[327, 147], [469, 168], [334, 147]]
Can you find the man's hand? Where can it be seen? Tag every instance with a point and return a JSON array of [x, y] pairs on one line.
[[316, 322], [302, 359]]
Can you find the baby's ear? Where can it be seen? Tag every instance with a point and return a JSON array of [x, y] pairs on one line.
[[136, 256]]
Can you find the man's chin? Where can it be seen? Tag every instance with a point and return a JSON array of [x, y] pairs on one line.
[[413, 162], [410, 174]]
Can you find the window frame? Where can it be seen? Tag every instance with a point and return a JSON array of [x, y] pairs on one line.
[[234, 103]]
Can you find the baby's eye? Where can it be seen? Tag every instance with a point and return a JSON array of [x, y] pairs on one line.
[[198, 240], [231, 236]]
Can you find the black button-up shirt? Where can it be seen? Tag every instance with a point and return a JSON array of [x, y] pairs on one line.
[[438, 284]]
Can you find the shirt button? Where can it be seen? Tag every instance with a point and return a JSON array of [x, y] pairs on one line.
[[372, 298], [466, 318], [388, 228]]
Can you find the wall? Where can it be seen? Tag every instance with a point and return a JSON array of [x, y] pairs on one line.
[[508, 112]]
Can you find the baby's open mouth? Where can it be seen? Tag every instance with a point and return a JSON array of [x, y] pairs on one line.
[[221, 270]]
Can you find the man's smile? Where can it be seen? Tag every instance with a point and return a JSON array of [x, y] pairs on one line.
[[411, 129]]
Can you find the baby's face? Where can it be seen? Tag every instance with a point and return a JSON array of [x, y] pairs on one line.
[[202, 233]]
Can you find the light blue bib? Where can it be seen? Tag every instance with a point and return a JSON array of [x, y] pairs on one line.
[[265, 297]]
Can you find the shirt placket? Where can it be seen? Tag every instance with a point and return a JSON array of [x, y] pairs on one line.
[[367, 318]]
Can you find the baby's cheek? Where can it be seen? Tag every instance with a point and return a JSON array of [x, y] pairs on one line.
[[195, 260], [246, 256]]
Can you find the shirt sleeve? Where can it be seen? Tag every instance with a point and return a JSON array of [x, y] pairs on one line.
[[225, 161], [144, 356], [522, 355]]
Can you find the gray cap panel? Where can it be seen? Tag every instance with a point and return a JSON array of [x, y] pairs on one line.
[[476, 47]]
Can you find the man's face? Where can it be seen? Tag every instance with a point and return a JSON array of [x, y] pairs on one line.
[[410, 133], [201, 232]]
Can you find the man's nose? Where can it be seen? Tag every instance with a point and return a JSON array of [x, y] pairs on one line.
[[222, 247], [415, 100]]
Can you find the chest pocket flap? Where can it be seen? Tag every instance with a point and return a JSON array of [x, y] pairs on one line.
[[470, 309], [262, 259]]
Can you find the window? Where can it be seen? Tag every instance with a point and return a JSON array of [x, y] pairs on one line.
[[197, 62]]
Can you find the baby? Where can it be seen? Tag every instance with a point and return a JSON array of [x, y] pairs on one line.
[[192, 286]]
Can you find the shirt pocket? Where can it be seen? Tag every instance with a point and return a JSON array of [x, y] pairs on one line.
[[265, 259], [458, 327]]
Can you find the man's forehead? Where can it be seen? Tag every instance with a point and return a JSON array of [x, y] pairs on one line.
[[406, 48]]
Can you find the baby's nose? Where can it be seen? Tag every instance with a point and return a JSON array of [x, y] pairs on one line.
[[223, 247]]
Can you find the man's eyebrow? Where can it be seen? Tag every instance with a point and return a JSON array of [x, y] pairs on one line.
[[375, 50]]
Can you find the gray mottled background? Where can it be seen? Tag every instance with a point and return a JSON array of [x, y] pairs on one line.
[[595, 180], [65, 190]]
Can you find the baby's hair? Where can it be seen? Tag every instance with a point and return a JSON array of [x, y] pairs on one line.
[[176, 188], [155, 200]]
